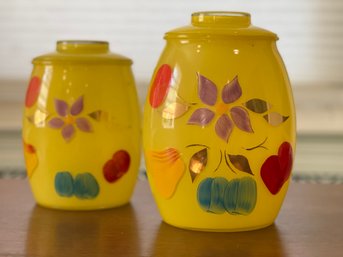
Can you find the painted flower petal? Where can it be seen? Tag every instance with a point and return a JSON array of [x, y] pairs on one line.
[[68, 132], [77, 106], [201, 117], [61, 107], [83, 124], [231, 91], [224, 127], [56, 123], [207, 90], [241, 119]]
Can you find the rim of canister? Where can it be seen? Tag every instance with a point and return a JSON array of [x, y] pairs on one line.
[[82, 51], [220, 24]]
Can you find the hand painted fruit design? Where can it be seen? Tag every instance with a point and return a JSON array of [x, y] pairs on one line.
[[32, 91], [276, 169], [31, 159], [64, 184], [218, 195], [83, 186], [167, 168], [160, 85], [115, 168], [224, 109]]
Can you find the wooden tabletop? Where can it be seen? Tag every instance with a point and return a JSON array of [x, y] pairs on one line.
[[309, 224]]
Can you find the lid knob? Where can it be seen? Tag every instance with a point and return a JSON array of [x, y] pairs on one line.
[[82, 46], [227, 19]]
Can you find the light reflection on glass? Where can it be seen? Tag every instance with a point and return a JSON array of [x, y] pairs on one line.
[[172, 98], [46, 79]]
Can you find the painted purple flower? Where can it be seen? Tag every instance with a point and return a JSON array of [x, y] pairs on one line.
[[229, 116], [68, 118]]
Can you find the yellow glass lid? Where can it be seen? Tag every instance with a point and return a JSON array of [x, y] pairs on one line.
[[82, 51], [220, 24]]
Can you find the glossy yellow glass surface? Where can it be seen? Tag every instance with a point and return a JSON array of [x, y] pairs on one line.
[[219, 126], [81, 128]]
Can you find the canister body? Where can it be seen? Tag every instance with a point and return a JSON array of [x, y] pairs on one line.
[[81, 129], [219, 130]]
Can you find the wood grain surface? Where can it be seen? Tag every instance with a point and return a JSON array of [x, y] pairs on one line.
[[309, 224]]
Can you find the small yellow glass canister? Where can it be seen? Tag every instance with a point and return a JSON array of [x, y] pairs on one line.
[[81, 128], [219, 125]]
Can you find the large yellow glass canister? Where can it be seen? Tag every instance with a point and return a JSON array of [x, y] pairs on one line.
[[219, 125], [81, 128]]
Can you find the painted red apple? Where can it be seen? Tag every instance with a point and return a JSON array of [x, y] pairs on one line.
[[32, 91], [115, 168], [160, 85], [276, 170]]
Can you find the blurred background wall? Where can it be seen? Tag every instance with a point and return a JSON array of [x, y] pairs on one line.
[[310, 31]]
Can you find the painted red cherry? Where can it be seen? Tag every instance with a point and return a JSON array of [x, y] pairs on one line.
[[160, 85], [115, 168], [32, 91], [276, 170]]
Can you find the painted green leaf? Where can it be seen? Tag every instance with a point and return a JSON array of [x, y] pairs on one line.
[[100, 115], [241, 163], [39, 118], [197, 163], [275, 118], [95, 115], [257, 105], [174, 110]]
